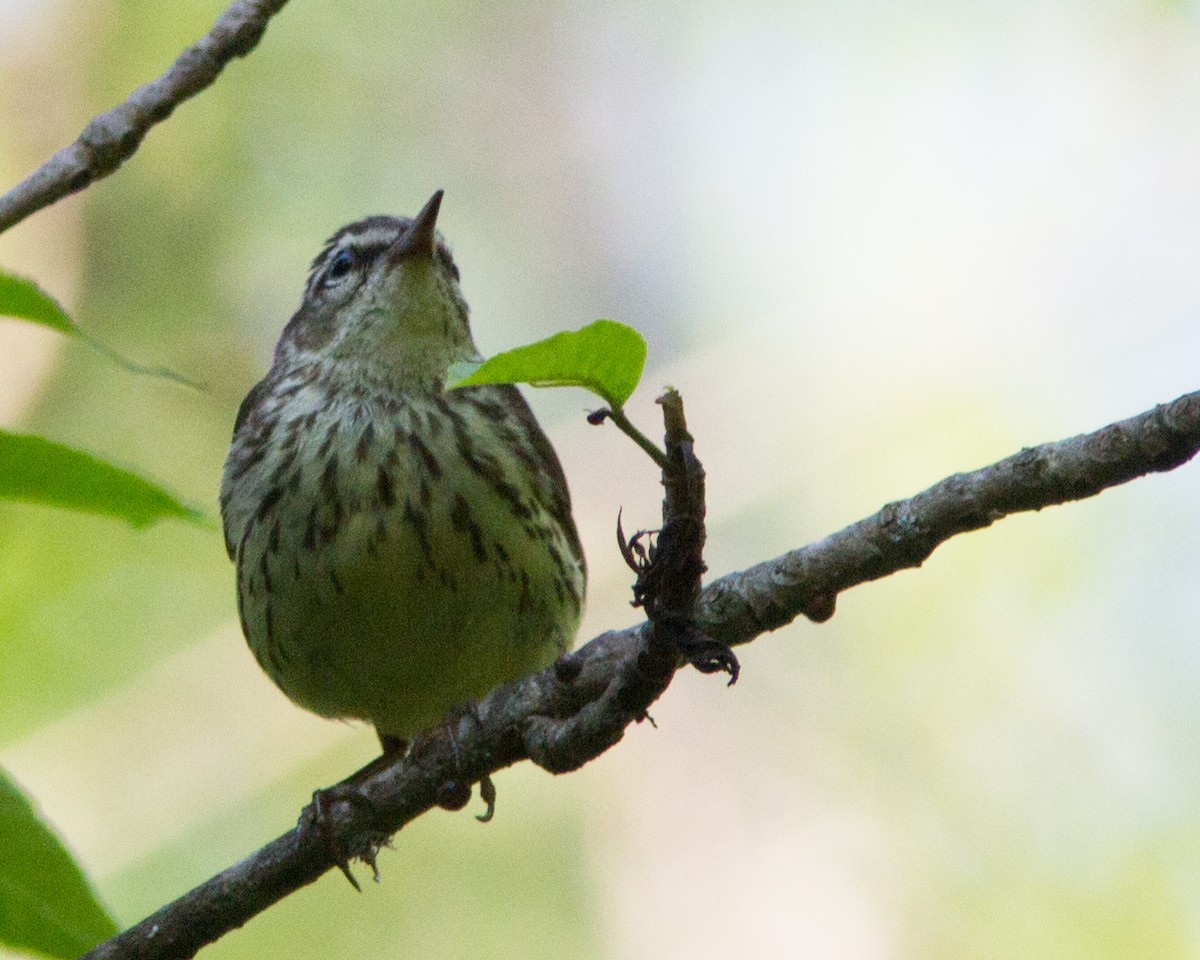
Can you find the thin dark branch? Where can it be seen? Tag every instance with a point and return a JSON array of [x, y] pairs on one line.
[[112, 137], [568, 714]]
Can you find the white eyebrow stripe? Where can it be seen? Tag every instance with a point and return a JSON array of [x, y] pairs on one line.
[[369, 237]]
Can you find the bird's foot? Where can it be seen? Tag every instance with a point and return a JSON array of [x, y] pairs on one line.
[[319, 814], [455, 793]]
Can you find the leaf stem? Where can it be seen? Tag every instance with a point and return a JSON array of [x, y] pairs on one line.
[[617, 415], [131, 366]]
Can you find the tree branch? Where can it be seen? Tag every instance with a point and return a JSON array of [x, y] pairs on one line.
[[740, 606], [112, 137], [570, 713]]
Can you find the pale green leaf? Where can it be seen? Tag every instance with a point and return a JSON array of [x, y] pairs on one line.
[[37, 470], [604, 357], [46, 902], [26, 300]]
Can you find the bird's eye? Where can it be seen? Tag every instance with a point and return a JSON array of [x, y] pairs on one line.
[[342, 264]]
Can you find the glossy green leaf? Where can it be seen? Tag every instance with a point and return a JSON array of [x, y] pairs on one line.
[[46, 902], [26, 300], [40, 471], [604, 357]]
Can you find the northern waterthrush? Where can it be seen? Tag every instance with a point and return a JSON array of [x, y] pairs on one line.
[[400, 548]]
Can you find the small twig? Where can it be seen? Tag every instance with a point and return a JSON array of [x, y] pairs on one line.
[[670, 585], [112, 137]]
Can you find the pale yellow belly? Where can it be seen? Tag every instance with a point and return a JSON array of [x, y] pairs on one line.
[[397, 612], [388, 635]]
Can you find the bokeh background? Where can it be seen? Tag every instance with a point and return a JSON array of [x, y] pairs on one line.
[[873, 243]]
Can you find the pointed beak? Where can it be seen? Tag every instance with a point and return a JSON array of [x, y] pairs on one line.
[[421, 238]]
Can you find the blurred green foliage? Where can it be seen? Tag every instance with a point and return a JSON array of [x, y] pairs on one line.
[[34, 469], [46, 904], [21, 297]]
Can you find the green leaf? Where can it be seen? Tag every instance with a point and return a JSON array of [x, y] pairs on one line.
[[46, 902], [38, 470], [25, 299], [604, 357]]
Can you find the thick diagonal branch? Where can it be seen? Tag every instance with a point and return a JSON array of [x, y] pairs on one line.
[[111, 138], [512, 720]]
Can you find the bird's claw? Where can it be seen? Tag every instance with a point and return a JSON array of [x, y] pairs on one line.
[[319, 815]]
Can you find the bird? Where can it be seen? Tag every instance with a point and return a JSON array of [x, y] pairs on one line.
[[400, 548]]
